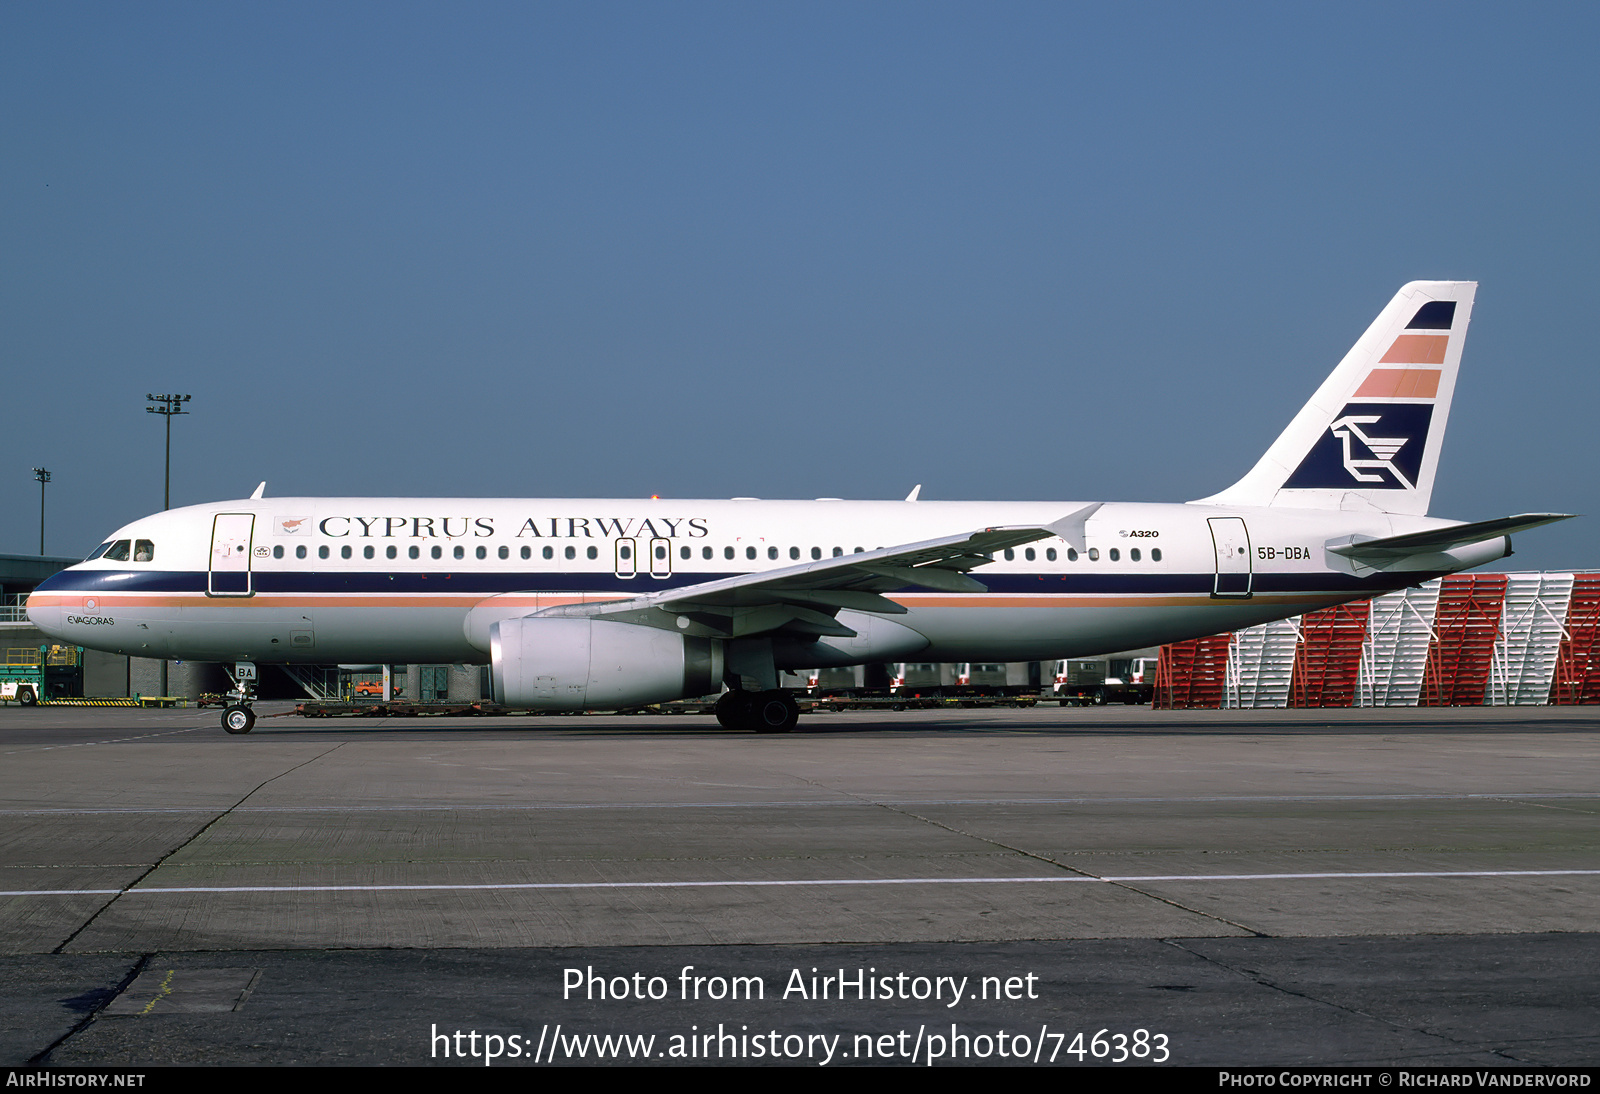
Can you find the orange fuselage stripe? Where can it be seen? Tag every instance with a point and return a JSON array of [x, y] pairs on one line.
[[336, 600]]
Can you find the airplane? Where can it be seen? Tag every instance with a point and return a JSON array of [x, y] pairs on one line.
[[606, 604]]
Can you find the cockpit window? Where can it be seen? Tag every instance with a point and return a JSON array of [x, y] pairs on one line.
[[118, 551], [143, 550], [100, 550]]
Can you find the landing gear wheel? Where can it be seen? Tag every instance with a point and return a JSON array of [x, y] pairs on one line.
[[733, 710], [774, 712], [761, 711], [238, 719]]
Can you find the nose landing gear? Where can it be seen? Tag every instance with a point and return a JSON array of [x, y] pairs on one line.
[[237, 717]]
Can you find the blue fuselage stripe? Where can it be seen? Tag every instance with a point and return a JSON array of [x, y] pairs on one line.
[[289, 582]]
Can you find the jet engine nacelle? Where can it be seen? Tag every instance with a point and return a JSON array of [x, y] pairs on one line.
[[561, 664]]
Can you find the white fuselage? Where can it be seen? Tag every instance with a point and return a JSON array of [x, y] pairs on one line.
[[398, 580]]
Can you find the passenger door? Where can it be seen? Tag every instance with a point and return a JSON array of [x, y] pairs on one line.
[[1232, 541], [231, 534]]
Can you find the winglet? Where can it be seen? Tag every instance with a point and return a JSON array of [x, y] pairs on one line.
[[915, 490], [260, 491], [1071, 527]]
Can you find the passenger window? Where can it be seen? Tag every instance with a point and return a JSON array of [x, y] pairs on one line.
[[749, 552], [794, 552], [482, 552], [1134, 554], [119, 551], [857, 551], [1116, 555], [300, 551], [684, 553], [277, 552], [727, 552], [1155, 554], [1072, 554], [460, 551], [438, 552], [1050, 554], [593, 552], [527, 553], [661, 553], [837, 551], [706, 552], [1010, 555], [772, 552], [414, 552], [505, 552], [625, 552], [1028, 554], [344, 552], [367, 551], [816, 552], [572, 552], [144, 551], [322, 552], [549, 552], [1094, 554], [391, 551]]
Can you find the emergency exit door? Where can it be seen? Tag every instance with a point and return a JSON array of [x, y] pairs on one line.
[[660, 558]]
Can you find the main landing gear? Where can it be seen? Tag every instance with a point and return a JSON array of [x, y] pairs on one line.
[[761, 711]]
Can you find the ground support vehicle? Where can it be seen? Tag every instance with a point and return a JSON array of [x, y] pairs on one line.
[[1096, 681], [35, 674]]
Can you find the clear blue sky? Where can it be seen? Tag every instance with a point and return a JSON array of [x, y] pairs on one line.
[[1074, 251]]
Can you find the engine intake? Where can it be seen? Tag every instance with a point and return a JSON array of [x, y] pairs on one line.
[[561, 664]]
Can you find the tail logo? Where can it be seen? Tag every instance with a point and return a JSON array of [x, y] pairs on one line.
[[1370, 446], [1383, 449]]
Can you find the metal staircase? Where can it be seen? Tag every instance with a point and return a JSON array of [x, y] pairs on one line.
[[1399, 634], [320, 682], [1261, 665], [1577, 672], [1466, 626], [1327, 664], [1193, 675], [1531, 628]]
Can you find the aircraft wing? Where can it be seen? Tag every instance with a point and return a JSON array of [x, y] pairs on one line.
[[806, 597], [1440, 539]]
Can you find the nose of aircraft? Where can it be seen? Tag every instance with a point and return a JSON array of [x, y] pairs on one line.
[[44, 610]]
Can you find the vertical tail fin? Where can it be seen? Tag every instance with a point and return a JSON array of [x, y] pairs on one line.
[[1369, 438]]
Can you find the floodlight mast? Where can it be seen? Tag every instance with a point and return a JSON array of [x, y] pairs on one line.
[[43, 477], [170, 405]]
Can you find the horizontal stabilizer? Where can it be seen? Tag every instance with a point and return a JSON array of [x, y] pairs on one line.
[[1441, 539]]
